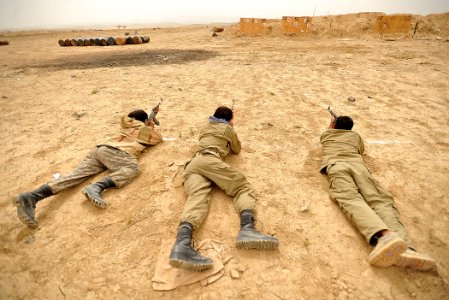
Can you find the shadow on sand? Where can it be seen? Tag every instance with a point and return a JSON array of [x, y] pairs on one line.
[[127, 59]]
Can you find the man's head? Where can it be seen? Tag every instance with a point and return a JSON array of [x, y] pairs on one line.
[[344, 122], [224, 112], [139, 115]]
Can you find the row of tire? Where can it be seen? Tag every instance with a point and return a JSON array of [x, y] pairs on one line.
[[104, 41]]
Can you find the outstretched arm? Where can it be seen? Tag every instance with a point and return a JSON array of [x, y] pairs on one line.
[[234, 141], [333, 122]]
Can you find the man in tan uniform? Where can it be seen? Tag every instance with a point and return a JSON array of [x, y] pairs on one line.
[[118, 154], [364, 201], [217, 139]]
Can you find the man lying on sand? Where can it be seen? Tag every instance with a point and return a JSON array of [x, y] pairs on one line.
[[217, 139], [367, 204], [118, 154]]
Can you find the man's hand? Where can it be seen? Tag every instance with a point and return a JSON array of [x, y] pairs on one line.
[[231, 123], [149, 123], [333, 122], [334, 117]]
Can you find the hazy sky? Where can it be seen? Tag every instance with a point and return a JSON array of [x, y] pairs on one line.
[[26, 14]]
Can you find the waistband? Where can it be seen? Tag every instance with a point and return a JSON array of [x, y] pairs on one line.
[[212, 151], [208, 151], [112, 148]]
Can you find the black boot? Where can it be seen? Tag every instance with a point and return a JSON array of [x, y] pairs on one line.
[[26, 204], [250, 238], [183, 255], [93, 192]]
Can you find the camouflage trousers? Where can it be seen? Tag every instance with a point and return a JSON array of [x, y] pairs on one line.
[[201, 172], [363, 200], [123, 166]]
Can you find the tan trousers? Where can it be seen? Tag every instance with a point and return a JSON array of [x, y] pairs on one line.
[[201, 172], [123, 166], [363, 200]]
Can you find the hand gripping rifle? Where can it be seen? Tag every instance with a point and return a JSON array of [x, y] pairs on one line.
[[332, 112], [154, 111]]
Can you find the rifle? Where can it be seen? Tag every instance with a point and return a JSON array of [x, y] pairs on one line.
[[332, 112], [153, 113]]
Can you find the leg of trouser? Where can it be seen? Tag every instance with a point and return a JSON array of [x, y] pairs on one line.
[[344, 190], [123, 166], [380, 200], [87, 167], [197, 205], [230, 180], [244, 199]]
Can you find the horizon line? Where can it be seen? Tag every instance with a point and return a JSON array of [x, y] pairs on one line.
[[110, 25]]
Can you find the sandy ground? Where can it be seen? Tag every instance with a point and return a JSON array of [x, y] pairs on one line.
[[57, 103]]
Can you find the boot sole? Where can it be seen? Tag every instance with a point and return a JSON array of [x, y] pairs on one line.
[[258, 245], [415, 262], [23, 217], [389, 254], [96, 203], [180, 264]]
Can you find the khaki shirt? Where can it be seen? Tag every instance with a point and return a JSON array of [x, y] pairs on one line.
[[341, 145], [133, 137], [219, 138]]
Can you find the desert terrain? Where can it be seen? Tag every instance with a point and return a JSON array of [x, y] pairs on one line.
[[59, 102]]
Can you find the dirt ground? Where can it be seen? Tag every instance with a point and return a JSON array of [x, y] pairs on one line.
[[58, 102]]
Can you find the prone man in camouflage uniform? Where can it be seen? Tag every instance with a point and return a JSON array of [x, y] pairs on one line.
[[364, 201], [217, 139], [118, 154]]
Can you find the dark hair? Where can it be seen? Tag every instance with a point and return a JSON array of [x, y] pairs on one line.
[[344, 122], [224, 112], [139, 115]]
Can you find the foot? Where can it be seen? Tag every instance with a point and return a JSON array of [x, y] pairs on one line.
[[188, 258], [415, 260], [25, 210], [388, 249], [249, 238], [92, 193]]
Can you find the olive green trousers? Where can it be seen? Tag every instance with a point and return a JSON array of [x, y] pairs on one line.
[[203, 171], [363, 200]]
